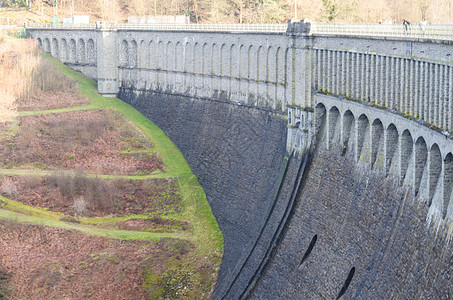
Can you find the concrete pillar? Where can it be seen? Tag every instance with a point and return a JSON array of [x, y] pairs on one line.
[[107, 64], [343, 73], [301, 46], [387, 82], [450, 99], [436, 94], [417, 84], [411, 90]]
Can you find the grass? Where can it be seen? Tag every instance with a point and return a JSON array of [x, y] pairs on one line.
[[204, 234], [197, 212]]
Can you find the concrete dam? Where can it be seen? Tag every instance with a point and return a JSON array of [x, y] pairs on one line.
[[325, 150]]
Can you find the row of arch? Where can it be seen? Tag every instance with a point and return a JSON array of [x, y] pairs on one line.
[[414, 159], [268, 64], [420, 88], [81, 51]]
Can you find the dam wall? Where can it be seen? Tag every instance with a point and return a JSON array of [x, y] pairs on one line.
[[326, 157]]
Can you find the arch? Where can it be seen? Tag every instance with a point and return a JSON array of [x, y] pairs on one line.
[[251, 63], [279, 66], [244, 64], [72, 51], [348, 120], [271, 69], [434, 170], [81, 57], [160, 56], [234, 61], [197, 59], [54, 49], [64, 50], [224, 61], [39, 41], [133, 54], [46, 45], [169, 58], [261, 64], [420, 159], [320, 118], [332, 132], [205, 59], [188, 58], [152, 55], [406, 148], [377, 141], [362, 129], [143, 55], [391, 144], [448, 183], [124, 53], [215, 60], [91, 52], [179, 58]]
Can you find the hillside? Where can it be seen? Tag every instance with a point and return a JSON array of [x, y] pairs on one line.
[[96, 202]]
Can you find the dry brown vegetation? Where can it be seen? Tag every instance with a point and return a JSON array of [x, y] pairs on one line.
[[250, 11], [94, 197], [85, 150], [26, 80], [87, 141], [48, 263]]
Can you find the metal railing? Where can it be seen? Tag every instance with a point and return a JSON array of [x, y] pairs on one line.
[[60, 26], [432, 31], [226, 27]]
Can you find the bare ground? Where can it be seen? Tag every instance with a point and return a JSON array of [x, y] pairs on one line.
[[46, 101], [84, 141], [93, 197], [50, 263]]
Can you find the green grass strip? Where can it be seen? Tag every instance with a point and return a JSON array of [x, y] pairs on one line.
[[91, 230]]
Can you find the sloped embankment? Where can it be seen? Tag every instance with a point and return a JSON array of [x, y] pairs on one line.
[[98, 203]]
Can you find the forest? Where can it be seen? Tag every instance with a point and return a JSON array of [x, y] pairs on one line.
[[251, 11]]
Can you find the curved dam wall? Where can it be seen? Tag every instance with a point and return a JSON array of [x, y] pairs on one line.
[[239, 156], [371, 215], [356, 234]]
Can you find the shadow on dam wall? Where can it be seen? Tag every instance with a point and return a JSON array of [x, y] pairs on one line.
[[352, 233]]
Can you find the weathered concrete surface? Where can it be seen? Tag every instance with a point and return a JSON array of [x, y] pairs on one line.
[[363, 220], [237, 152]]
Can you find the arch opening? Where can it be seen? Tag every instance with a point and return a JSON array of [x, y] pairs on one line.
[[448, 183], [421, 158], [435, 167], [391, 145], [362, 129], [377, 143]]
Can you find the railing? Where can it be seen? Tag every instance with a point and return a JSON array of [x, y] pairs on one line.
[[442, 32], [432, 31], [61, 26], [227, 27]]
